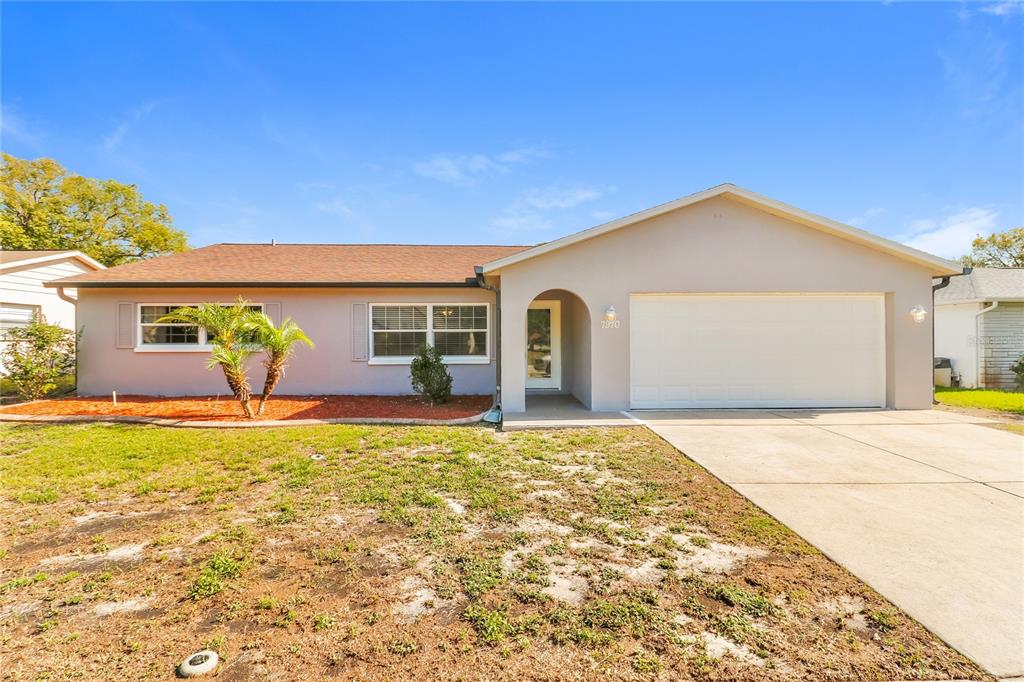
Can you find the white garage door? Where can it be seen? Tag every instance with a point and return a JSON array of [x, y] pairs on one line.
[[757, 351]]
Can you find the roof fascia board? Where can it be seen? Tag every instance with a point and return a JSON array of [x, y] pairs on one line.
[[940, 266], [470, 284]]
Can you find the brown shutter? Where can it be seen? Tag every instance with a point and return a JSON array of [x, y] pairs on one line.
[[125, 325], [360, 334], [273, 311]]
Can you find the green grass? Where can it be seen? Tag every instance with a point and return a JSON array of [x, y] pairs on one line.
[[322, 548], [1002, 401]]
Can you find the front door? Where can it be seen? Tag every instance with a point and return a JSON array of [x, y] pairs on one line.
[[544, 345]]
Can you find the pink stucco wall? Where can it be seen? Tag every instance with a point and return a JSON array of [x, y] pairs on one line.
[[325, 314]]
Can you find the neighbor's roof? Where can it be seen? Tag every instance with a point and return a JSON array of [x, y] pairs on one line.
[[12, 257], [300, 265], [984, 284], [939, 266]]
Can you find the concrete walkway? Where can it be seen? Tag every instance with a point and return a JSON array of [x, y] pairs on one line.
[[926, 507], [560, 412]]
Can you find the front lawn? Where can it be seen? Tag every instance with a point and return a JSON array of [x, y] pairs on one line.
[[980, 398], [429, 553]]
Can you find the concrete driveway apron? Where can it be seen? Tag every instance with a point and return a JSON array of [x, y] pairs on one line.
[[926, 507]]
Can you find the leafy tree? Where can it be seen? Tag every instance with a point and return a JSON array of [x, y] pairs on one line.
[[42, 206], [279, 343], [229, 331], [37, 356], [998, 250], [430, 377]]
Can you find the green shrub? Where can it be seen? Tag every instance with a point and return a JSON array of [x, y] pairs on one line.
[[1018, 372], [430, 377], [37, 356]]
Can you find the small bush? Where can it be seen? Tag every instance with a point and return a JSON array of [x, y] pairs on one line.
[[430, 377], [37, 356]]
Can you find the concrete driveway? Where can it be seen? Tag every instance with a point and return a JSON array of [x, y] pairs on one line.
[[926, 507]]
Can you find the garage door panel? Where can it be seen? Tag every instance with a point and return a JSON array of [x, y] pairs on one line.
[[757, 351]]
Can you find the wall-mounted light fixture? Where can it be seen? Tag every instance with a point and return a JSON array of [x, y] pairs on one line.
[[918, 313], [610, 314]]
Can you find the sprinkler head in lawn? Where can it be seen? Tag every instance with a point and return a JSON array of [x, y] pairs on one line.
[[198, 664]]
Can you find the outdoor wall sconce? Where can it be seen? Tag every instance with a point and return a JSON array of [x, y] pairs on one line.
[[918, 313], [610, 314]]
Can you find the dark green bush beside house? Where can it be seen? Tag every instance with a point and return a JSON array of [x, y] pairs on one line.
[[430, 377]]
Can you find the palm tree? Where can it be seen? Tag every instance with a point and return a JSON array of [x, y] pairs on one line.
[[228, 330], [278, 342]]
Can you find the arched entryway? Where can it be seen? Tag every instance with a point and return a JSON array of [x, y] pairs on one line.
[[558, 347]]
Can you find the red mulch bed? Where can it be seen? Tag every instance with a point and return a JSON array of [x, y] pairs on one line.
[[208, 408]]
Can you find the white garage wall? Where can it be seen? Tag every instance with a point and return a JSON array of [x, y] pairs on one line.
[[955, 338]]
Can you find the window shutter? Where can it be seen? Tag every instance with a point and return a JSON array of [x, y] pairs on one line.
[[125, 325], [273, 311], [360, 337]]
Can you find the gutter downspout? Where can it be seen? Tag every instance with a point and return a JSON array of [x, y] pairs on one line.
[[977, 339], [481, 282], [943, 283], [63, 295]]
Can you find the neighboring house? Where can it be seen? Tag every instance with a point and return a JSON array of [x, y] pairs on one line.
[[979, 325], [723, 298], [22, 294]]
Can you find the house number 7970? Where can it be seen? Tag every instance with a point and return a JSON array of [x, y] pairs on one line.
[[610, 324]]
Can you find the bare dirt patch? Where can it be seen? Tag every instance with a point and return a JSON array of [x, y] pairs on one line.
[[417, 553]]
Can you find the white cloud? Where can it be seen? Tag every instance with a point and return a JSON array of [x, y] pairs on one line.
[[114, 139], [14, 126], [866, 217], [559, 197], [335, 207], [529, 213], [1004, 9], [951, 236], [464, 169], [524, 155]]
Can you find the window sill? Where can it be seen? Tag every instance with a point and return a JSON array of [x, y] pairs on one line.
[[455, 360], [169, 348]]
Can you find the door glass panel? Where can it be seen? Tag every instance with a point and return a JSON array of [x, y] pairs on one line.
[[538, 343]]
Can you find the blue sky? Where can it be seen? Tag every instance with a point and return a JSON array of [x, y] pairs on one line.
[[519, 123]]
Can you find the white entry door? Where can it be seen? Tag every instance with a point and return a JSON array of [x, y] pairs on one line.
[[544, 345], [757, 351]]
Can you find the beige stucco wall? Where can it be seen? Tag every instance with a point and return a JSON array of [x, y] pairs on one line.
[[715, 246], [325, 314]]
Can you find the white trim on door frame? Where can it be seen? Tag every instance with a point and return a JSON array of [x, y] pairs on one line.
[[555, 381]]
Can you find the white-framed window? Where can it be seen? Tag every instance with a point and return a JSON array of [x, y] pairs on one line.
[[154, 335], [459, 331]]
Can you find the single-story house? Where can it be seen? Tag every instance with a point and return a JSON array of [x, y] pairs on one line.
[[723, 298], [22, 294], [979, 325]]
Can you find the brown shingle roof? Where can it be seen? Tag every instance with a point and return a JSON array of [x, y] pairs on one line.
[[301, 265]]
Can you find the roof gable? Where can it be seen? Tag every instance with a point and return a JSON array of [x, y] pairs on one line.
[[13, 258], [938, 266]]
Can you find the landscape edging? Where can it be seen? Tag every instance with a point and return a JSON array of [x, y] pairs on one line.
[[271, 423]]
